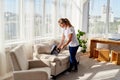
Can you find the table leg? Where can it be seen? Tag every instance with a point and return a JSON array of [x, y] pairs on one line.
[[92, 47]]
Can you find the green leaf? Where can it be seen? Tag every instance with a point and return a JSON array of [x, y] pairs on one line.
[[82, 42]]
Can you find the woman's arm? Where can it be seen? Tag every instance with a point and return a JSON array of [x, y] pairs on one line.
[[62, 41], [69, 40]]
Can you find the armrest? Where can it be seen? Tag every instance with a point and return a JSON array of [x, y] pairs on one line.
[[30, 75], [37, 64]]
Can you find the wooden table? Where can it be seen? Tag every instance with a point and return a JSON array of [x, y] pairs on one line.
[[94, 42]]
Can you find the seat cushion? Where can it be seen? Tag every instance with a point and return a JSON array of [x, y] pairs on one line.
[[20, 57], [45, 69], [46, 57], [62, 58]]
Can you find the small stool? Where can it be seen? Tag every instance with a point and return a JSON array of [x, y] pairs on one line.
[[103, 55], [115, 57]]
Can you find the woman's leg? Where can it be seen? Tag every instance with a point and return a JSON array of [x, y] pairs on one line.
[[73, 61]]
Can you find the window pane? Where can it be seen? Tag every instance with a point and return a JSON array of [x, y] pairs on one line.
[[114, 16], [11, 16], [97, 16]]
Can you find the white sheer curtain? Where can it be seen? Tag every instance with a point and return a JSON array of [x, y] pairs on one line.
[[28, 26], [54, 15], [29, 19], [76, 11], [22, 19], [2, 45]]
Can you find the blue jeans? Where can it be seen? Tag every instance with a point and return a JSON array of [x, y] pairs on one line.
[[73, 61]]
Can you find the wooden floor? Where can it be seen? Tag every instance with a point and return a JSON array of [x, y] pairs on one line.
[[91, 69]]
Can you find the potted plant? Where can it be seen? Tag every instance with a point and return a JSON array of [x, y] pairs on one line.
[[82, 42]]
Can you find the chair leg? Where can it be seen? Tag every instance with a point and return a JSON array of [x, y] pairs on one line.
[[78, 63], [53, 77]]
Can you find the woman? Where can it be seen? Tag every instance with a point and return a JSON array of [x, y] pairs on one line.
[[70, 36]]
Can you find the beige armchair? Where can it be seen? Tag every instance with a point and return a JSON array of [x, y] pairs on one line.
[[28, 70]]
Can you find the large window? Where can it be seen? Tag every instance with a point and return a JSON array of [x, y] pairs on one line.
[[11, 17], [104, 16], [43, 18], [34, 19], [97, 16], [114, 16]]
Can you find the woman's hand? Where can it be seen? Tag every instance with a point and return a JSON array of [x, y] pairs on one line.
[[58, 47], [62, 46]]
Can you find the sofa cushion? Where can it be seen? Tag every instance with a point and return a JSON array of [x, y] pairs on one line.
[[43, 48], [28, 50], [57, 42], [62, 58], [53, 42], [47, 57], [20, 56]]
